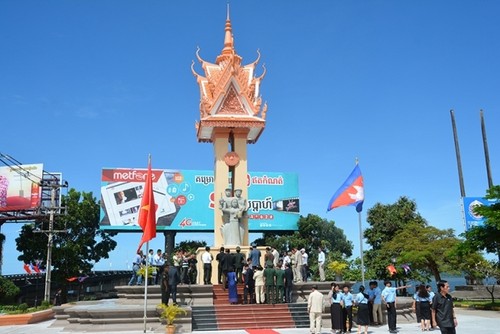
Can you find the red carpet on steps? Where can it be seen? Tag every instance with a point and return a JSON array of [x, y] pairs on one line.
[[261, 331]]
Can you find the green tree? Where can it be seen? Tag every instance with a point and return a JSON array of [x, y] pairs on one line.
[[8, 291], [489, 269], [190, 246], [465, 260], [353, 272], [79, 248], [487, 236], [427, 249], [385, 221]]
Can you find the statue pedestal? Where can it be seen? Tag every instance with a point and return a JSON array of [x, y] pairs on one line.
[[245, 250]]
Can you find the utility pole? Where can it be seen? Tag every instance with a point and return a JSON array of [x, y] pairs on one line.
[[50, 242], [54, 187]]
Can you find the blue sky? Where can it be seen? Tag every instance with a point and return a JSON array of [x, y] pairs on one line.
[[92, 84]]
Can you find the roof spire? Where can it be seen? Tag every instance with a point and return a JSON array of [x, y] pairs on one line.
[[228, 37]]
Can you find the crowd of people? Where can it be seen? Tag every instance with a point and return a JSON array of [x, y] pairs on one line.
[[271, 282], [166, 271], [432, 310]]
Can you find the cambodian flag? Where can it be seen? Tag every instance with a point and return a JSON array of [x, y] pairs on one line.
[[350, 193], [35, 268]]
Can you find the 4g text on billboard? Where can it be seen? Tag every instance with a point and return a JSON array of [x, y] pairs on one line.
[[185, 200]]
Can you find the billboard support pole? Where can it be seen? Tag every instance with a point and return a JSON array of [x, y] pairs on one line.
[[457, 152], [486, 151]]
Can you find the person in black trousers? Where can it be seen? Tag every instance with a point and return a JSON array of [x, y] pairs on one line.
[[249, 289], [288, 283], [220, 262]]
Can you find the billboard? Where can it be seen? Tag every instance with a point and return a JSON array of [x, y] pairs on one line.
[[19, 187], [185, 200], [471, 218]]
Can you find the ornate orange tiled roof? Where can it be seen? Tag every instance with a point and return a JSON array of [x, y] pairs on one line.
[[229, 93]]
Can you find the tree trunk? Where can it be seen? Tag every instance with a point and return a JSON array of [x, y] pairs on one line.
[[435, 271], [492, 293]]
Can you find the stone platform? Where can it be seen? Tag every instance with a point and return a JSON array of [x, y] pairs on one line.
[[127, 311]]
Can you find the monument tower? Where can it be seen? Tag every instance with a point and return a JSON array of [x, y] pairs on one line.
[[231, 116]]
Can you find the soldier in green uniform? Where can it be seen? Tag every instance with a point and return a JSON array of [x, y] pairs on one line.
[[280, 283], [269, 277]]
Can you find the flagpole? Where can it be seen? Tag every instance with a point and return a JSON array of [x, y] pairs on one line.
[[361, 249], [147, 221], [146, 287]]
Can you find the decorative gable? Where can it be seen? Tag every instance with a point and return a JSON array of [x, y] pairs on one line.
[[231, 104], [229, 93]]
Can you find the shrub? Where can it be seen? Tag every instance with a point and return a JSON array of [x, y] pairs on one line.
[[23, 307], [8, 291]]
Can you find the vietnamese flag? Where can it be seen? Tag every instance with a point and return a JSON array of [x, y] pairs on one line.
[[392, 270], [147, 212], [350, 193], [27, 268]]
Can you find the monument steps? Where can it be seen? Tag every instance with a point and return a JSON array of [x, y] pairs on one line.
[[253, 316], [203, 318], [300, 316], [221, 295]]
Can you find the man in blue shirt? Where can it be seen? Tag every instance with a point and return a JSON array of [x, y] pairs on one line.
[[347, 299], [376, 301], [254, 256], [389, 299], [136, 265]]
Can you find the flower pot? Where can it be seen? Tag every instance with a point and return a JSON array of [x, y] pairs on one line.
[[170, 329]]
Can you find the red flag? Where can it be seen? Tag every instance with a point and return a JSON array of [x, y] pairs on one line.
[[27, 268], [392, 269], [147, 212]]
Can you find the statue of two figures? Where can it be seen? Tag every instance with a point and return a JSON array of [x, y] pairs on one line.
[[233, 208]]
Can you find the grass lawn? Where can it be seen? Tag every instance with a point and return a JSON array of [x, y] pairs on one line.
[[478, 304]]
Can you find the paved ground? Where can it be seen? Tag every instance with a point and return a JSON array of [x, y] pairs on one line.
[[469, 321]]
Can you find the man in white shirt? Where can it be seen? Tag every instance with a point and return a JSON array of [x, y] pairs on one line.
[[158, 258], [151, 257], [315, 309], [286, 259], [276, 255], [207, 258], [158, 264], [305, 268], [321, 264]]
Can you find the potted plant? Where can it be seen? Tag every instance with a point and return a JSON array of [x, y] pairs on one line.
[[142, 271], [170, 313]]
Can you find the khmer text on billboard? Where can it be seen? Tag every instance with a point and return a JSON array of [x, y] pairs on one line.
[[185, 200]]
